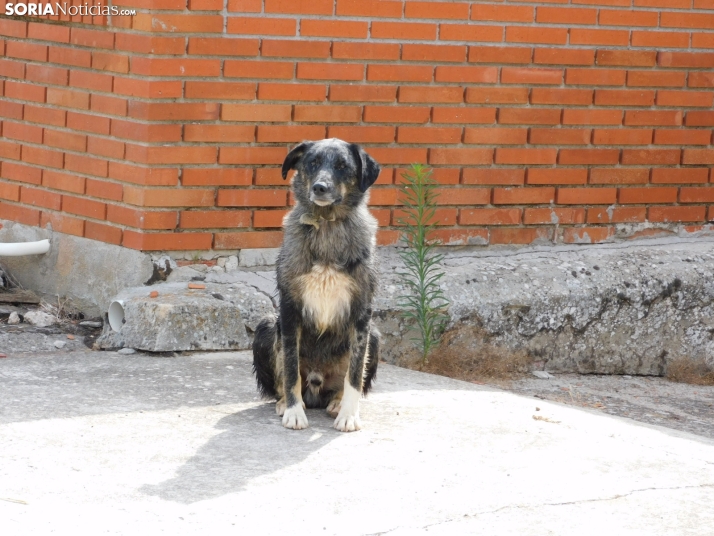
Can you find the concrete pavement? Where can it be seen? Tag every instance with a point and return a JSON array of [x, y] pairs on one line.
[[107, 444]]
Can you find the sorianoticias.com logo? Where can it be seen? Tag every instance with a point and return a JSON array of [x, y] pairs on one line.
[[39, 9]]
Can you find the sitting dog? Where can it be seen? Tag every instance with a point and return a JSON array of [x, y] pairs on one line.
[[322, 350]]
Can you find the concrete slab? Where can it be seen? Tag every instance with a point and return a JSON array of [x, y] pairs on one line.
[[143, 445]]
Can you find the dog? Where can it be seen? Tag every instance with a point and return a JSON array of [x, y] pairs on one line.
[[321, 350]]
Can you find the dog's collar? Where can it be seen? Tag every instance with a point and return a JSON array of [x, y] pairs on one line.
[[311, 219]]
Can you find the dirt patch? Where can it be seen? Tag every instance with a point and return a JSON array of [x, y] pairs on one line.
[[465, 354], [688, 370]]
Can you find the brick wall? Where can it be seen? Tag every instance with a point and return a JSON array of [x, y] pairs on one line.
[[542, 120]]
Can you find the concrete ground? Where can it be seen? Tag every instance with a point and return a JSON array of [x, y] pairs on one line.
[[115, 444]]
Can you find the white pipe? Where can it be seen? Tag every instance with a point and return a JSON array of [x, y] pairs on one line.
[[18, 249], [116, 315]]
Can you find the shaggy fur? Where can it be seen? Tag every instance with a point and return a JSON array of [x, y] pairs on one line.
[[322, 345]]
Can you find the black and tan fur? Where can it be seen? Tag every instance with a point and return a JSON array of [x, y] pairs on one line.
[[321, 351]]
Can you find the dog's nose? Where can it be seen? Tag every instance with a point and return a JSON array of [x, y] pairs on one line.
[[317, 382], [320, 188]]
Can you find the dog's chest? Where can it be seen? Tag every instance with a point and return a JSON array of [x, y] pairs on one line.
[[326, 295]]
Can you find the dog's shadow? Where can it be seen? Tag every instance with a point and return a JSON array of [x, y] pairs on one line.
[[253, 443]]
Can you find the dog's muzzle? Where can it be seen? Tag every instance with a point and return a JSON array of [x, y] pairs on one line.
[[323, 194]]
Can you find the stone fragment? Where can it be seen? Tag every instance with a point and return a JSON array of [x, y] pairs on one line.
[[231, 263], [250, 258], [40, 319], [126, 351], [60, 344], [91, 324], [543, 375], [14, 318]]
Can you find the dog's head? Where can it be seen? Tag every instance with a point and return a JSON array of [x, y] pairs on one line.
[[330, 172]]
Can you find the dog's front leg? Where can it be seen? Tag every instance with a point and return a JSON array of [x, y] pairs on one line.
[[348, 418], [294, 416]]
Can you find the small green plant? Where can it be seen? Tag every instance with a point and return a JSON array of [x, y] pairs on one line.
[[424, 302]]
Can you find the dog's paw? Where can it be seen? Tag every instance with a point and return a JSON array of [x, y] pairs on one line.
[[280, 407], [347, 423], [295, 418], [333, 408]]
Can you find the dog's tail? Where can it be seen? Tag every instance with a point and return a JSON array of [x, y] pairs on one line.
[[265, 347], [373, 361]]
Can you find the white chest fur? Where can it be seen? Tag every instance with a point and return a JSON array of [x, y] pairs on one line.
[[326, 295]]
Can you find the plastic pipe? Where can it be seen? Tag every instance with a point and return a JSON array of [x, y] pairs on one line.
[[19, 249], [116, 315]]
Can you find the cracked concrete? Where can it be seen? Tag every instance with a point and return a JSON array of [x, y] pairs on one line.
[[138, 444]]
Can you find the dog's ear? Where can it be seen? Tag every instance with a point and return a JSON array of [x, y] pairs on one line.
[[294, 156], [367, 167]]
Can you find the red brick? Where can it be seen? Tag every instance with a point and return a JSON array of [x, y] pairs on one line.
[[494, 176], [697, 60], [26, 92], [105, 61], [104, 104], [587, 235], [259, 69], [650, 156], [599, 37], [523, 75], [497, 95], [556, 176], [220, 90], [256, 112], [696, 195], [22, 132], [11, 110], [656, 78], [617, 215], [91, 38], [142, 175], [529, 116], [676, 214], [569, 15], [442, 216], [26, 51], [700, 119], [173, 111], [251, 198], [162, 197], [150, 44], [148, 22], [248, 239], [681, 137], [400, 73], [68, 98], [63, 181], [657, 118], [595, 77], [362, 134], [40, 198], [418, 94], [145, 132], [490, 216], [642, 196], [295, 49], [205, 5], [62, 224], [42, 157], [561, 96], [12, 69], [622, 136], [148, 89], [214, 219], [272, 177], [327, 114], [471, 33], [559, 136], [252, 155], [370, 8], [488, 12], [330, 71], [10, 192], [217, 176], [303, 7], [525, 156], [440, 53], [288, 133], [291, 92], [687, 99], [334, 28], [476, 75], [105, 147], [436, 10], [701, 79], [142, 219], [523, 196], [46, 116], [103, 233], [175, 66], [463, 196], [619, 175], [586, 196], [679, 175], [624, 97], [10, 150], [167, 241], [261, 26], [86, 165], [396, 114], [21, 173], [562, 216], [560, 56], [500, 55], [692, 156], [46, 74], [463, 115], [219, 133], [660, 39], [428, 135], [676, 19], [20, 214], [627, 58], [702, 40], [365, 51], [90, 80], [84, 207], [588, 156], [398, 155], [445, 156], [70, 56], [621, 17], [592, 117], [13, 28], [518, 235], [171, 154], [403, 30], [223, 46], [533, 34], [496, 136]]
